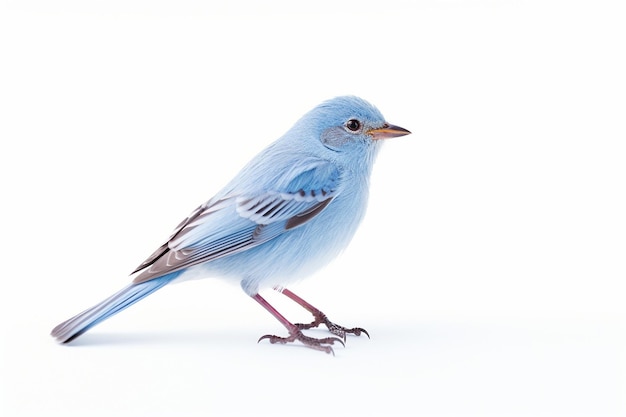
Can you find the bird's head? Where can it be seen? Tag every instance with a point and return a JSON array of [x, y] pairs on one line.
[[348, 123]]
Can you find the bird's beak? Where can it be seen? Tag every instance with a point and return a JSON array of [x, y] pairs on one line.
[[387, 131]]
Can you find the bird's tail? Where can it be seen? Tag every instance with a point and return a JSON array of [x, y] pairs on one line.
[[79, 324]]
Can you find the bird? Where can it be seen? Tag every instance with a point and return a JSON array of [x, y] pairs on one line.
[[292, 209]]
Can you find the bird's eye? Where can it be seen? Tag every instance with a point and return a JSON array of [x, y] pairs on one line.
[[353, 125]]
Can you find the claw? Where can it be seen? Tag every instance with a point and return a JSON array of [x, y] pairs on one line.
[[296, 334], [342, 331], [332, 327], [295, 330]]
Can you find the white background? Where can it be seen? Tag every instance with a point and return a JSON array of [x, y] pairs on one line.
[[489, 271]]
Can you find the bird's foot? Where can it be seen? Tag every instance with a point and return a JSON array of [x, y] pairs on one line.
[[296, 334], [320, 318]]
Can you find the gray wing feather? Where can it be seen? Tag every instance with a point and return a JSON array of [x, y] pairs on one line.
[[234, 224]]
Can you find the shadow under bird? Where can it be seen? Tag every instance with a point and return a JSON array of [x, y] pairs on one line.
[[289, 211]]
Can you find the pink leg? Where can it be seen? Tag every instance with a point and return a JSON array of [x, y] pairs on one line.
[[321, 318], [294, 332]]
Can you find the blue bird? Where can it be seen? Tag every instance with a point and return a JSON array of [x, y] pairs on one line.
[[290, 210]]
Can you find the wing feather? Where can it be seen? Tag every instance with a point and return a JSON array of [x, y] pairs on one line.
[[238, 222]]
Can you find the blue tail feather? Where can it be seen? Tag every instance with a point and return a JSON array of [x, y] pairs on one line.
[[79, 324]]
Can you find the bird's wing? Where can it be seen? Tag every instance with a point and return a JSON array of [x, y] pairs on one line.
[[240, 221]]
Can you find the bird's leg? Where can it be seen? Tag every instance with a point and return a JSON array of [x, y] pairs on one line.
[[321, 318], [294, 332]]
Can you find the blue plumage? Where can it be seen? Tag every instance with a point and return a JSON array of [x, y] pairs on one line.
[[119, 301], [294, 207]]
